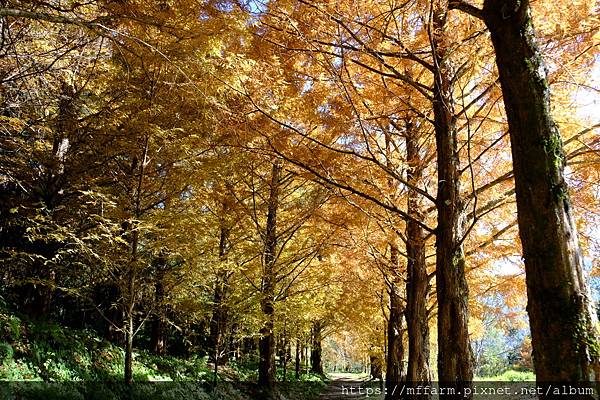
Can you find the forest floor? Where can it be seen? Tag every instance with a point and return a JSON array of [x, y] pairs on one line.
[[41, 359]]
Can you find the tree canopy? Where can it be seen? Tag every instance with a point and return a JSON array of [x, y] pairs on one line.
[[306, 186]]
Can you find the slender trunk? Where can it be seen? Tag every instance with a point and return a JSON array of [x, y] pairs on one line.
[[266, 367], [306, 356], [129, 332], [114, 313], [455, 359], [129, 350], [51, 187], [217, 320], [132, 270], [220, 313], [284, 360], [564, 340], [129, 312], [284, 351], [297, 365], [316, 365], [395, 348], [417, 285]]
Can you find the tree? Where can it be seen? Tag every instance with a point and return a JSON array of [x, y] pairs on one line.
[[395, 346], [266, 368], [455, 358], [564, 336], [558, 296]]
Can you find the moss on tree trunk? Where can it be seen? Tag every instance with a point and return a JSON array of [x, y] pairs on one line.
[[565, 345]]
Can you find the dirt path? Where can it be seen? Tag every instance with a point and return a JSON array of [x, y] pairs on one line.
[[349, 388]]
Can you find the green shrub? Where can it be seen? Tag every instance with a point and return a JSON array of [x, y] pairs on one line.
[[6, 351], [512, 376]]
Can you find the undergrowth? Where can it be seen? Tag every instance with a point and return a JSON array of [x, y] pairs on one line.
[[43, 360]]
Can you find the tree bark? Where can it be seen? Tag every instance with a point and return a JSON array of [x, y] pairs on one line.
[[129, 310], [298, 359], [455, 360], [316, 362], [129, 349], [395, 348], [218, 320], [157, 337], [376, 368], [565, 342], [266, 367], [417, 285], [284, 352], [131, 298]]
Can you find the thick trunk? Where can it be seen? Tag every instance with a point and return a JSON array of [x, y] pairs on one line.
[[157, 340], [565, 343], [157, 336], [266, 367], [316, 363], [218, 321], [395, 348], [417, 285], [376, 366], [455, 360], [266, 344], [37, 298]]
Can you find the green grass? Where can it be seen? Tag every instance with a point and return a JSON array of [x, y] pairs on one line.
[[510, 376]]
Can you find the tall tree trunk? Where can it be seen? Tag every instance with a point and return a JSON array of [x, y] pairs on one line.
[[565, 342], [306, 355], [130, 299], [395, 348], [455, 359], [298, 358], [129, 310], [266, 367], [220, 313], [417, 285], [157, 335], [114, 313], [316, 362], [129, 349], [284, 352], [376, 362]]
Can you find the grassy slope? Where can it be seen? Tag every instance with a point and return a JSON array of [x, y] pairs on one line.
[[43, 360]]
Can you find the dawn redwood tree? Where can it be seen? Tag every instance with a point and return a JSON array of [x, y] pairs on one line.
[[266, 346], [220, 312], [417, 284], [316, 349], [565, 341], [395, 350], [564, 338], [455, 360]]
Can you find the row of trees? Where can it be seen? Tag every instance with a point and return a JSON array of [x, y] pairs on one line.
[[406, 55], [125, 192], [226, 172]]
